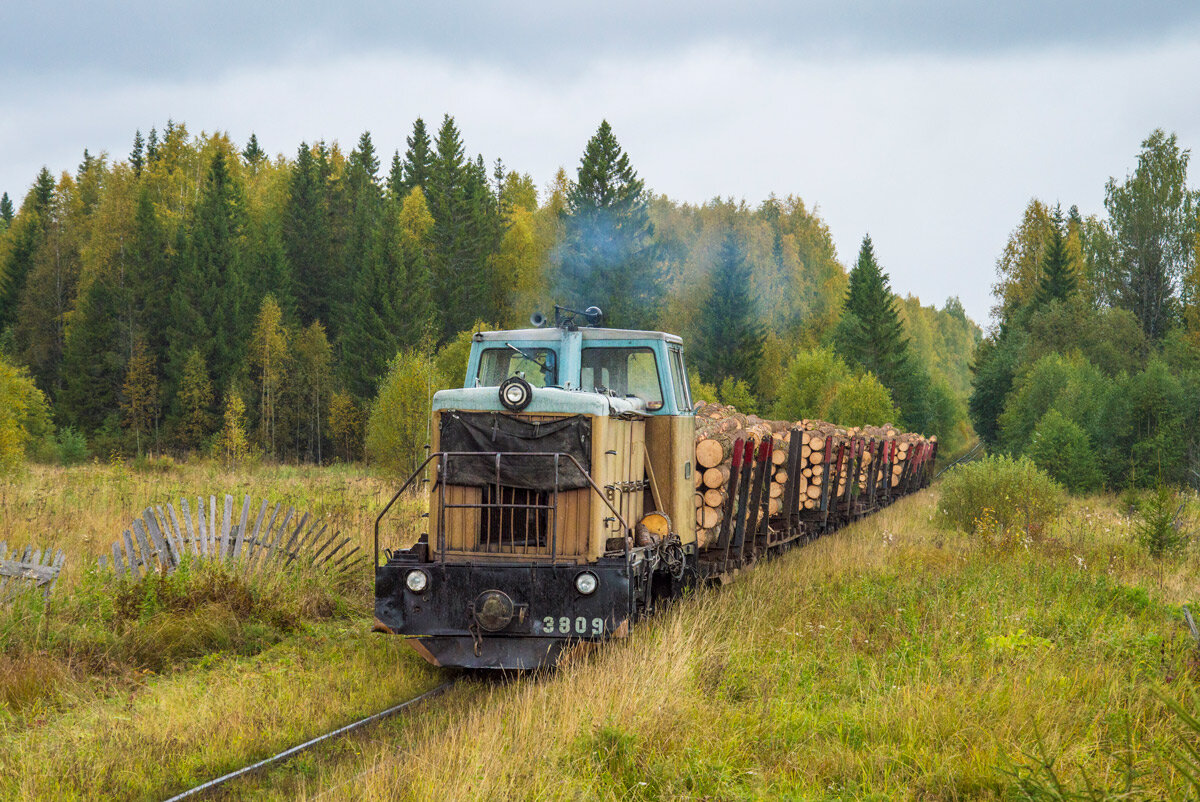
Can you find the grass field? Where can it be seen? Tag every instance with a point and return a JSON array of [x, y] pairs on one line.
[[890, 660]]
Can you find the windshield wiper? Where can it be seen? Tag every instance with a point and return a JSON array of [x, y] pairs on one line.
[[535, 359]]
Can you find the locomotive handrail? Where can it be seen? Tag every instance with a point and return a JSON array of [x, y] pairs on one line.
[[388, 506], [497, 454]]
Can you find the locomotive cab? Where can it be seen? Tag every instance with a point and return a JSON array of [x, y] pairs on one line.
[[560, 499]]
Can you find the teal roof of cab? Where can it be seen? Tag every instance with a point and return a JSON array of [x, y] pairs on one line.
[[555, 333]]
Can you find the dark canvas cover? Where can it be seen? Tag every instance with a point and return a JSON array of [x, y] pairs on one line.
[[485, 433]]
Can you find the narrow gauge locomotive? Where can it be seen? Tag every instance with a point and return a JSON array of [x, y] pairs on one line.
[[561, 507]]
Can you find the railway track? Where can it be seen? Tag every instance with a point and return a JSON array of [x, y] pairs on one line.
[[211, 785]]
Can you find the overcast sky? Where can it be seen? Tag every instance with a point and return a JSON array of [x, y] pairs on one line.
[[928, 124]]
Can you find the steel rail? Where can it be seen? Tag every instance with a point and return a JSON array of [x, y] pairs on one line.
[[285, 754], [965, 458]]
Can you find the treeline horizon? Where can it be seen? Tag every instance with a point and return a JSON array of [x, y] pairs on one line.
[[155, 300]]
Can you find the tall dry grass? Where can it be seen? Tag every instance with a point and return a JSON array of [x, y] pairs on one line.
[[889, 661]]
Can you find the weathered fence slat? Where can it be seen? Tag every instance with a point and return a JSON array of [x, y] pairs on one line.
[[187, 522], [287, 547], [213, 546], [156, 537], [131, 555], [324, 545], [226, 527], [335, 550], [139, 531], [174, 539], [346, 556], [177, 533], [201, 527], [241, 531], [117, 566], [251, 543], [306, 541]]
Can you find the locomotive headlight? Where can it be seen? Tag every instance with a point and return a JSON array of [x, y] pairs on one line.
[[586, 583], [515, 393], [417, 581]]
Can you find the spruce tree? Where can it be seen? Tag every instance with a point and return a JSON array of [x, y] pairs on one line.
[[391, 301], [253, 154], [418, 159], [1058, 275], [465, 234], [210, 306], [152, 146], [870, 333], [731, 334], [28, 234], [365, 199], [306, 237], [395, 179], [147, 307], [6, 209], [605, 255], [137, 158], [94, 357]]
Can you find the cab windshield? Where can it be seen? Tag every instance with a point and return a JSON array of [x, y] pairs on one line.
[[623, 371], [498, 364]]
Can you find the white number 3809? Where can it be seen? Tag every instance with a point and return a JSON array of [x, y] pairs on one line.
[[572, 626]]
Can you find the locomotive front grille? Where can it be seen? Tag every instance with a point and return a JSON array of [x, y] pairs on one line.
[[514, 518]]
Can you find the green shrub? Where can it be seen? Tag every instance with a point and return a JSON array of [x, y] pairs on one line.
[[24, 415], [736, 392], [398, 426], [999, 495], [1062, 449], [702, 391], [862, 401], [810, 384], [72, 446]]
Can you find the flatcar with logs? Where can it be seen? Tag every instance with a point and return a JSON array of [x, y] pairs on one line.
[[574, 488]]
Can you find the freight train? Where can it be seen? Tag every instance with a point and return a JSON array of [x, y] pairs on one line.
[[563, 503]]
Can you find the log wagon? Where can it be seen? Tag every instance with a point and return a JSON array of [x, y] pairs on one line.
[[575, 487]]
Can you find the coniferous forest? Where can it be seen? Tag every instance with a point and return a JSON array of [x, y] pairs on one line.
[[200, 295]]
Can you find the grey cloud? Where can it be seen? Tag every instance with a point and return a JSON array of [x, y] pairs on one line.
[[61, 39]]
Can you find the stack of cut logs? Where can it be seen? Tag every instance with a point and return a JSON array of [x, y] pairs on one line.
[[718, 427]]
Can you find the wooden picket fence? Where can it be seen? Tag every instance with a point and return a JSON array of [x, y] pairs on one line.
[[161, 538], [30, 568]]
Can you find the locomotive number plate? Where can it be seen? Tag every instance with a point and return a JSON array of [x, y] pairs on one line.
[[565, 625]]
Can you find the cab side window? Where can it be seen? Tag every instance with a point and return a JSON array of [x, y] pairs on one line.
[[683, 398]]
